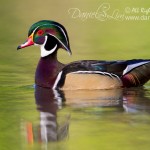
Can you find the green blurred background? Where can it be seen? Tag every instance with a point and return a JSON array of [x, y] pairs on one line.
[[89, 39]]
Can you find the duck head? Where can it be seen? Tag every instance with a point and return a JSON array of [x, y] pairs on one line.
[[49, 35]]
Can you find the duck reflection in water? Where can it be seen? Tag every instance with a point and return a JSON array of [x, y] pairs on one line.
[[48, 105], [49, 102], [136, 100]]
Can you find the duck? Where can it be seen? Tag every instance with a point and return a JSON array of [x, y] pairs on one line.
[[83, 74]]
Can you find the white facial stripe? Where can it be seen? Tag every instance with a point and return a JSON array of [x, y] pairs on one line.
[[63, 32], [34, 30], [62, 44], [45, 52]]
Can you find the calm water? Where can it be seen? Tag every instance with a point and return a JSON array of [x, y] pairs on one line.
[[100, 119], [32, 118]]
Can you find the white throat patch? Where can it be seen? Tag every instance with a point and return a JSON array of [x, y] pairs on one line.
[[46, 52]]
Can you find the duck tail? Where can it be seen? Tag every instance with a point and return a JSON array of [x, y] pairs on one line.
[[137, 77]]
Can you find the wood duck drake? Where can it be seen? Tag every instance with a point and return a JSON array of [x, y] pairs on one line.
[[85, 74]]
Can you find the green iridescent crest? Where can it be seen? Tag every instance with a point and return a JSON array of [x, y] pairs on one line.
[[44, 27]]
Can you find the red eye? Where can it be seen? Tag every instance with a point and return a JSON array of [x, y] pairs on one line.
[[40, 32]]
